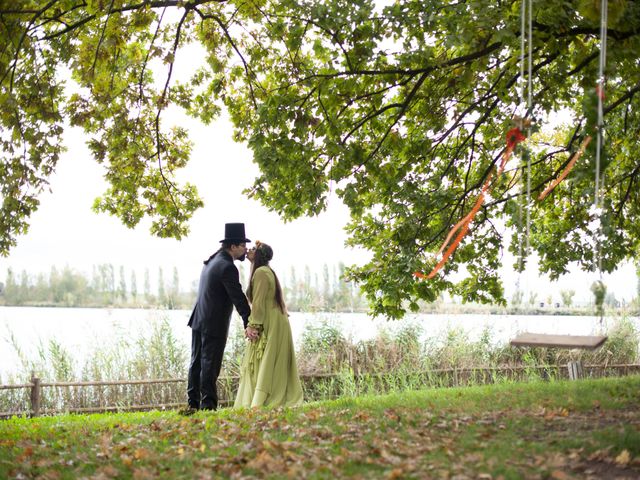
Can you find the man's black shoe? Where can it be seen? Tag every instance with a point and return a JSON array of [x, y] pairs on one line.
[[188, 411]]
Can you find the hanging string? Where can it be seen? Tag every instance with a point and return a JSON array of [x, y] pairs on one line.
[[598, 287], [600, 123], [523, 10], [600, 126], [526, 30], [529, 112], [525, 21]]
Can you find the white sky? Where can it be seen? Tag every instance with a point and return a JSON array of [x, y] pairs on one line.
[[65, 231]]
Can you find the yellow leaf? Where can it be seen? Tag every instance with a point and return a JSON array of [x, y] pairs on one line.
[[395, 473], [264, 462], [624, 458], [141, 453]]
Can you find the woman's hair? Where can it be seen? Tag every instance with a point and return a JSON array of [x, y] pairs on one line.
[[206, 262], [262, 256]]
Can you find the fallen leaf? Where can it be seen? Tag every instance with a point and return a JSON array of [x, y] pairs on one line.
[[362, 416], [143, 474], [599, 455], [395, 474], [27, 452], [107, 471], [624, 458], [264, 462], [313, 415], [50, 475], [391, 415], [388, 457], [141, 453]]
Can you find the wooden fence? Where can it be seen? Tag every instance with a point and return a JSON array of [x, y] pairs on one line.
[[50, 398]]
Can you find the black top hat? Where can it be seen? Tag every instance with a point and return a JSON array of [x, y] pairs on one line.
[[234, 232]]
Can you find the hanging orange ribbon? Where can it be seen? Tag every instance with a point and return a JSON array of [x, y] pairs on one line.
[[514, 136], [567, 169]]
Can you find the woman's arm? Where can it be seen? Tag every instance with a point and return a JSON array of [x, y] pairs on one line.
[[260, 291]]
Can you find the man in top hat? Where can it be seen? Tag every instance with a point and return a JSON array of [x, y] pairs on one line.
[[218, 292]]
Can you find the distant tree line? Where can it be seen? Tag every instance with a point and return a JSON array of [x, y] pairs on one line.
[[111, 287], [304, 290], [103, 288], [325, 291]]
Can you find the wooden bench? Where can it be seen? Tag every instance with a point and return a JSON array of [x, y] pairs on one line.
[[588, 342]]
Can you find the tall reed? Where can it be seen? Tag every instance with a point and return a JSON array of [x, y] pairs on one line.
[[330, 364]]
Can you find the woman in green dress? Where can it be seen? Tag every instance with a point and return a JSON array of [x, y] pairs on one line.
[[268, 375]]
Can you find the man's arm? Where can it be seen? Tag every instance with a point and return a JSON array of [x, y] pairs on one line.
[[231, 282]]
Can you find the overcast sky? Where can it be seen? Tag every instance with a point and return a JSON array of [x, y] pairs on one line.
[[65, 231]]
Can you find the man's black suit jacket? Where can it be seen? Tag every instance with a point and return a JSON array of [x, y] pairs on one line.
[[218, 292]]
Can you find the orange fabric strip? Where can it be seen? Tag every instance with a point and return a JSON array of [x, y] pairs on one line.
[[464, 219], [514, 136], [458, 239], [567, 169]]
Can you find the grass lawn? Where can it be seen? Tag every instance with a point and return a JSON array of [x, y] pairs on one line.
[[558, 430]]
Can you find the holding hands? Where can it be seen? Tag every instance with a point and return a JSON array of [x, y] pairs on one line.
[[251, 333]]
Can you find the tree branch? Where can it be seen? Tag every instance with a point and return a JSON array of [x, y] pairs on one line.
[[100, 40], [623, 98], [412, 72], [189, 5], [148, 55], [161, 105], [12, 69], [247, 68], [405, 106], [632, 178]]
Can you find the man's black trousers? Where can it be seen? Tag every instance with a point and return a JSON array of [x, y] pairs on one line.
[[206, 361]]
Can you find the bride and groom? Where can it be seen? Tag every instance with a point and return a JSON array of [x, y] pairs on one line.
[[268, 374]]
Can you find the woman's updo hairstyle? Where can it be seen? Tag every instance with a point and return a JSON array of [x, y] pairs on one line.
[[264, 251], [263, 254]]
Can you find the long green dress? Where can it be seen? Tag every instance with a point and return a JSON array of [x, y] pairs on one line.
[[269, 374]]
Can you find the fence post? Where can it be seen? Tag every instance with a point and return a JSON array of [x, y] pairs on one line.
[[35, 395], [575, 370]]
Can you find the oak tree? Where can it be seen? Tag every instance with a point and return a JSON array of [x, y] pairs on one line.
[[399, 108]]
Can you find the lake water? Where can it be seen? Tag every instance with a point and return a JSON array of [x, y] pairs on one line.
[[26, 330]]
